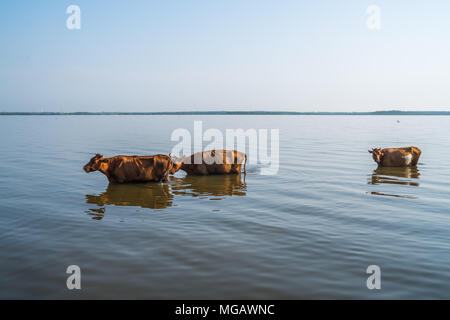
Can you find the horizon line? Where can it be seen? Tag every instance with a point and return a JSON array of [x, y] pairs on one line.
[[260, 112]]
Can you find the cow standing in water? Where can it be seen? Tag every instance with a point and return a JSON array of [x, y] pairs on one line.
[[212, 162], [396, 157], [132, 168]]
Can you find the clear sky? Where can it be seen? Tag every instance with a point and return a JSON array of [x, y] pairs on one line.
[[224, 55]]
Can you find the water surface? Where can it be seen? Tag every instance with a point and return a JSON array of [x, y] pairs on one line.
[[308, 232]]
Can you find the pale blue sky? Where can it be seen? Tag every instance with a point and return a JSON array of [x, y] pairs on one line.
[[224, 55]]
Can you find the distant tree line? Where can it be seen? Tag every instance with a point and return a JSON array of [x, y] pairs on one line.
[[390, 112]]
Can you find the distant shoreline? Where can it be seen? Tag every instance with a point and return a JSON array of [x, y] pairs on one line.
[[392, 112]]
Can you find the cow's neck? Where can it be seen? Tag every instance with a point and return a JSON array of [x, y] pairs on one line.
[[104, 168]]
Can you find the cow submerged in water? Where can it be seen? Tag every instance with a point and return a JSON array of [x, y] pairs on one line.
[[396, 157], [122, 169], [212, 162]]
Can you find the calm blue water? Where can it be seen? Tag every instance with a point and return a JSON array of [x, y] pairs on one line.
[[308, 232]]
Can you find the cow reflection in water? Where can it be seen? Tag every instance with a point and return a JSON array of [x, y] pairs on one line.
[[144, 195], [406, 176], [213, 187], [161, 195]]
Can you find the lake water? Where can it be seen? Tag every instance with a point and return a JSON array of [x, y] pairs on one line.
[[310, 231]]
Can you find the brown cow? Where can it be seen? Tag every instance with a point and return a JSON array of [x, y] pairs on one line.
[[396, 157], [132, 168], [212, 162]]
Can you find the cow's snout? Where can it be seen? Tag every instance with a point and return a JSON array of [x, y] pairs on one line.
[[86, 169]]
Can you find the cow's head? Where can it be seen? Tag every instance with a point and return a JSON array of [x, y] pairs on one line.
[[177, 163], [377, 154], [94, 163]]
